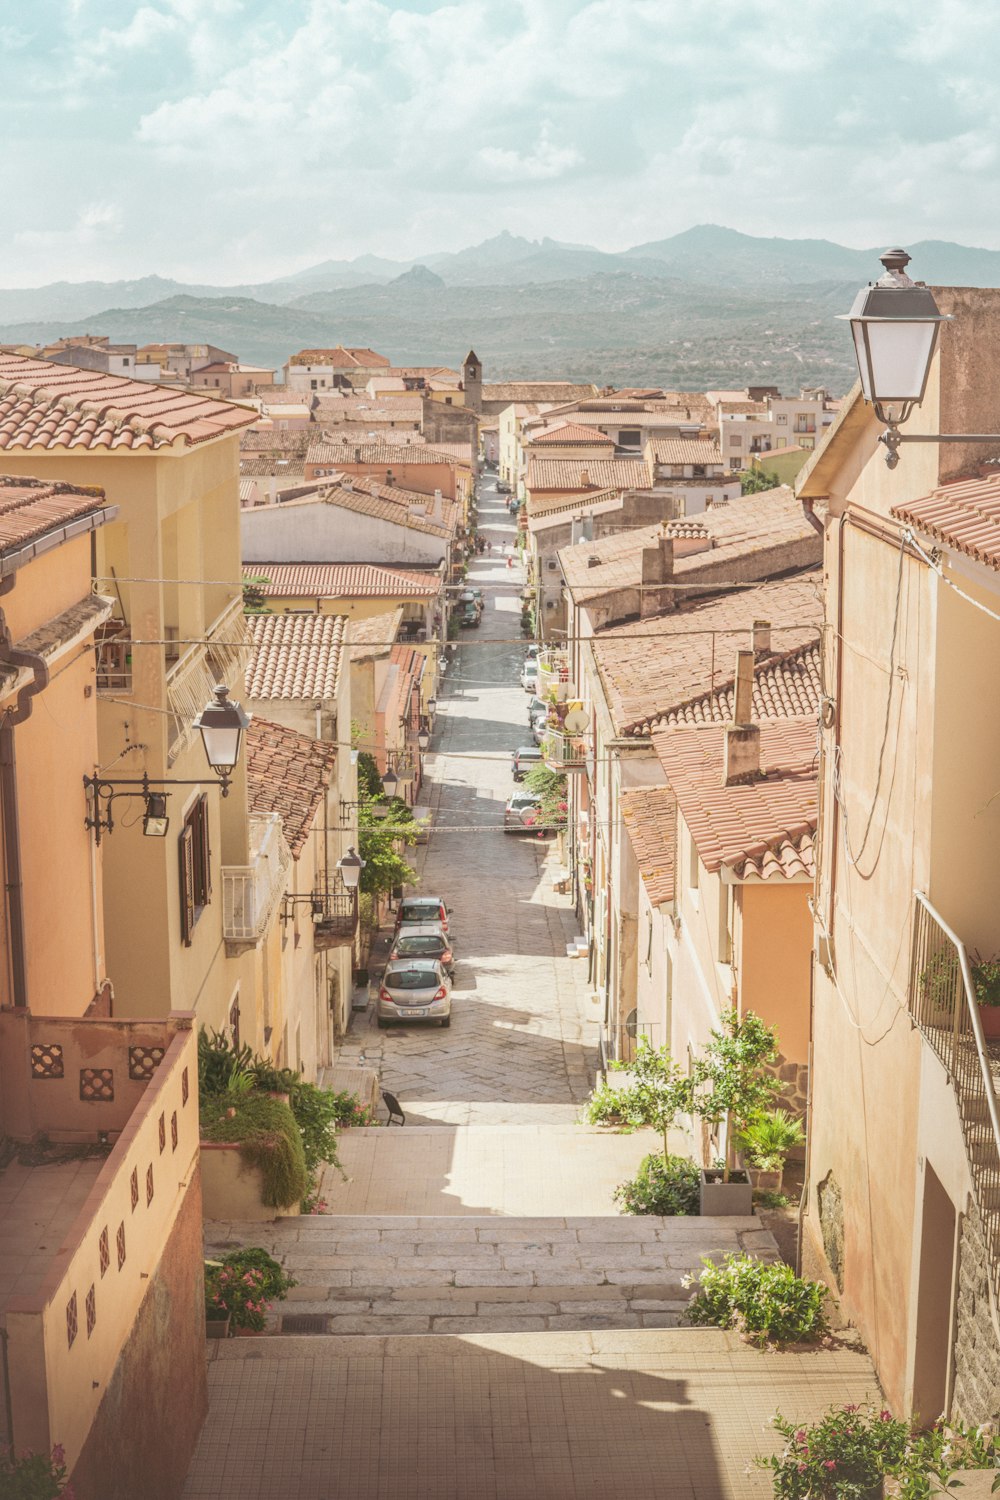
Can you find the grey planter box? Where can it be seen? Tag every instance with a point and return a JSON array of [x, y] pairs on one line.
[[719, 1199]]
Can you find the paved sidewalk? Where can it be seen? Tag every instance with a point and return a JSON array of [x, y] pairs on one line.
[[676, 1415]]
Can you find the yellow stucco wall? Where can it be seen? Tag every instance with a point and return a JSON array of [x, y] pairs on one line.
[[774, 948]]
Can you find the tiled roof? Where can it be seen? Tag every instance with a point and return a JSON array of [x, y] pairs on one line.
[[47, 406], [761, 828], [964, 515], [362, 433], [572, 432], [277, 440], [602, 474], [651, 668], [31, 507], [375, 636], [248, 490], [650, 815], [744, 408], [295, 656], [355, 408], [288, 774], [354, 497], [541, 507], [280, 395], [536, 390], [378, 452], [341, 358], [685, 451], [270, 466], [743, 526], [784, 686], [343, 581]]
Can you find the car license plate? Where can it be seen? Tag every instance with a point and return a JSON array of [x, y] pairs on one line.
[[420, 1010]]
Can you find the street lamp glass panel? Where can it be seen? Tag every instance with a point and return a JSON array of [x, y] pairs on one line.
[[899, 354], [222, 724], [350, 867], [432, 705], [423, 739], [390, 782]]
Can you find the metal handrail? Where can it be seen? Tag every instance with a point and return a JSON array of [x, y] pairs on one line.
[[938, 986]]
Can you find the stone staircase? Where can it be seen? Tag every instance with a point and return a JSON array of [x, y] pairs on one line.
[[424, 1275]]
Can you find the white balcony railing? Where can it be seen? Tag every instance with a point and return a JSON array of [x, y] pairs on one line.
[[565, 752], [251, 892], [554, 675], [191, 681]]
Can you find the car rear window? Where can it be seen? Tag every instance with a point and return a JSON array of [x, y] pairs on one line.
[[419, 911], [410, 979], [427, 944], [529, 752]]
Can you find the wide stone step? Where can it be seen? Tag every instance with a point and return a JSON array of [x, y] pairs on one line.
[[416, 1275]]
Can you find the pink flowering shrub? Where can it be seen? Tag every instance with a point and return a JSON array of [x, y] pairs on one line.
[[34, 1476], [244, 1285]]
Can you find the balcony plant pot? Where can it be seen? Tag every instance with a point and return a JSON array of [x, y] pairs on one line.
[[989, 1017], [247, 1333], [217, 1328], [719, 1199], [764, 1181]]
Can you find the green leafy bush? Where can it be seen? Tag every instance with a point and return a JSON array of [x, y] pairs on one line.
[[268, 1137], [34, 1476], [348, 1110], [316, 1112], [986, 979], [668, 1188], [766, 1303], [768, 1137], [275, 1285]]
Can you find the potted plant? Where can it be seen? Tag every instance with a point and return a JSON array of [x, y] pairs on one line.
[[940, 982], [653, 1092], [850, 1452], [731, 1086], [765, 1142], [241, 1288], [986, 981]]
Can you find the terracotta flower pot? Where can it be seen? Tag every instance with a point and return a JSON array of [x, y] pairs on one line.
[[217, 1328], [989, 1016]]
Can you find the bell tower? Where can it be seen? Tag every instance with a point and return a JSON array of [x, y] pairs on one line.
[[472, 380]]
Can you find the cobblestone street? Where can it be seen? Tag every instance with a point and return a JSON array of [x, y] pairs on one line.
[[522, 1044]]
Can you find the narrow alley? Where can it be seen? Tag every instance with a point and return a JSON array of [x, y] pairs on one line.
[[472, 1315]]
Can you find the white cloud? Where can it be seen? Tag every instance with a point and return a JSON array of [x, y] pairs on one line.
[[541, 161], [94, 223]]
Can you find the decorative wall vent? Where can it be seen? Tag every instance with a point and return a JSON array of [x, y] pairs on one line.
[[143, 1062], [97, 1085], [47, 1061]]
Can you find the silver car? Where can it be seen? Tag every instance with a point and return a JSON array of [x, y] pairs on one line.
[[414, 989], [521, 813], [426, 940]]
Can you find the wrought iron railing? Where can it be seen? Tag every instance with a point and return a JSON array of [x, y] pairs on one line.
[[942, 1001], [113, 642], [338, 923]]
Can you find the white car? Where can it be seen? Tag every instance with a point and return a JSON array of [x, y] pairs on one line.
[[529, 676]]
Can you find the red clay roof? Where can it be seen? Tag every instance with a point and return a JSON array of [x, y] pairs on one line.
[[586, 474], [573, 432], [51, 406], [343, 581], [761, 828], [295, 656], [288, 774], [30, 507], [784, 686], [650, 815], [964, 515]]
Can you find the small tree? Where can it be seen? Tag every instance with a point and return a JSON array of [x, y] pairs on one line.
[[730, 1081], [658, 1092], [382, 834], [753, 481]]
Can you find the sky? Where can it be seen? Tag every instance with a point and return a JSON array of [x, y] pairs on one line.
[[228, 141]]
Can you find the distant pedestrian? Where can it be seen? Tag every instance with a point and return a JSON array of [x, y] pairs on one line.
[[489, 548], [510, 562]]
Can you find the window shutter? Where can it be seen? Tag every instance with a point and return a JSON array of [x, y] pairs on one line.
[[186, 849], [205, 851]]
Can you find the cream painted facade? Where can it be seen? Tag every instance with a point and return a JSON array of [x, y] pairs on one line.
[[896, 1208]]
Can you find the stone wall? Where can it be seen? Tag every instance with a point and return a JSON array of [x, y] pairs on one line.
[[143, 1436], [795, 1077], [977, 1344]]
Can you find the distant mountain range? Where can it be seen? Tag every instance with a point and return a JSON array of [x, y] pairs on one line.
[[704, 306]]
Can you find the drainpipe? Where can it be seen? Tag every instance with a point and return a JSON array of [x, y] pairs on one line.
[[11, 656]]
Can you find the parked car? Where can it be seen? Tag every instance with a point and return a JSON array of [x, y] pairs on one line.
[[520, 813], [412, 990], [531, 652], [529, 676], [422, 909], [524, 760], [424, 940], [469, 615], [536, 706], [539, 727], [503, 488], [471, 596]]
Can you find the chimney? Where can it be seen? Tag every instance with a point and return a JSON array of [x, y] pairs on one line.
[[584, 479], [347, 483], [761, 638], [657, 569], [742, 736], [437, 509]]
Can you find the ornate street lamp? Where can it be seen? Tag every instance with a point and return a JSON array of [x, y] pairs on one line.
[[350, 867], [895, 323], [423, 739], [390, 782], [222, 724]]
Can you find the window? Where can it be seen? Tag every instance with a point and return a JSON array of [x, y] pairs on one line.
[[694, 867], [735, 440], [125, 360], [195, 867], [629, 437], [725, 945], [314, 385], [781, 419]]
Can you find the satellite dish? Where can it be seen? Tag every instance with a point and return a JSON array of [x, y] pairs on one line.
[[576, 722]]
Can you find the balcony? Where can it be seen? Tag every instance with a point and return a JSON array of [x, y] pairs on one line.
[[565, 752], [554, 678], [942, 1002], [251, 892], [805, 429], [338, 923], [113, 641], [191, 680]]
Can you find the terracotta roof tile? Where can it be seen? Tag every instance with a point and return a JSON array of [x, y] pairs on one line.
[[288, 774], [271, 466], [685, 451], [761, 828], [537, 390], [295, 656], [287, 440], [964, 515], [47, 406], [784, 686], [30, 507], [365, 497], [572, 432], [650, 815], [375, 636], [378, 452], [341, 358], [651, 668], [601, 474], [343, 581]]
